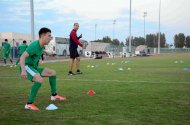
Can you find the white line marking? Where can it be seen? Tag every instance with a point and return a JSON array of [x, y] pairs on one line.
[[101, 80]]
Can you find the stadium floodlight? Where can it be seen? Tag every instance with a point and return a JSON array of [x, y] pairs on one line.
[[32, 20], [159, 28]]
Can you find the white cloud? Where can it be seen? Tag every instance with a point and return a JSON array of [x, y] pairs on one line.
[[89, 9], [174, 14]]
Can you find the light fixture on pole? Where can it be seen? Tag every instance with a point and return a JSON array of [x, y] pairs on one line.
[[145, 14]]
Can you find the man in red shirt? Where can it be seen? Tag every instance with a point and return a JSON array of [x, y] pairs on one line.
[[73, 45]]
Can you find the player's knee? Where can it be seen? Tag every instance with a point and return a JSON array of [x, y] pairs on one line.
[[38, 78], [78, 59], [41, 80], [53, 72]]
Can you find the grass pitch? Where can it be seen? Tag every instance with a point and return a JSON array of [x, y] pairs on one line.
[[152, 90]]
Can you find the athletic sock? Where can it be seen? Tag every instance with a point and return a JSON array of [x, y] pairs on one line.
[[5, 61], [52, 81], [17, 62], [34, 91], [11, 61]]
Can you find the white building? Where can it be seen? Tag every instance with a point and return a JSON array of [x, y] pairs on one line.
[[57, 46], [15, 39]]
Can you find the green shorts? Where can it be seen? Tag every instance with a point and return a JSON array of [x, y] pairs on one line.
[[31, 71]]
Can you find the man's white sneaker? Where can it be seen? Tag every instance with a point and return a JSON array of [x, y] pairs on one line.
[[53, 98]]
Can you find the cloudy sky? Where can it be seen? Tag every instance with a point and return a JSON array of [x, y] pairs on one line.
[[59, 16]]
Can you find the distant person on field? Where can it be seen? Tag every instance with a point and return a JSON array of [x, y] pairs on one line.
[[73, 45], [21, 50], [6, 50]]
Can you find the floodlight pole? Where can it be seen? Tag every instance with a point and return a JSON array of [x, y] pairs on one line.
[[159, 28], [32, 20], [130, 29], [145, 14], [114, 21], [95, 31]]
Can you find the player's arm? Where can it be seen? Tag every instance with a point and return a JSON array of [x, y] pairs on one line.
[[74, 37], [22, 64]]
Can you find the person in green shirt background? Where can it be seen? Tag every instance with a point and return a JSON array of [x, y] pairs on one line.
[[6, 50], [21, 50], [29, 69]]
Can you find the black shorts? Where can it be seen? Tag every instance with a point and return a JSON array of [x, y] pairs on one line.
[[73, 53]]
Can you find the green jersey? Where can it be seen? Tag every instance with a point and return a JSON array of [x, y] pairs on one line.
[[6, 47], [22, 48], [35, 51]]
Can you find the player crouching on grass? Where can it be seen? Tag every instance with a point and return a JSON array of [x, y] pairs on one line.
[[29, 68]]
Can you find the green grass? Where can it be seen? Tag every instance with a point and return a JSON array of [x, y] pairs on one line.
[[156, 91]]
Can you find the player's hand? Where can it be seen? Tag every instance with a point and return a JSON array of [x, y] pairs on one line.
[[41, 61], [80, 36], [23, 74]]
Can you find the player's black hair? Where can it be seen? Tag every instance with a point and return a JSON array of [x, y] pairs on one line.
[[44, 30], [24, 41], [6, 40]]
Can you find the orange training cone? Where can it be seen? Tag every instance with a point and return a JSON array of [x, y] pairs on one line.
[[91, 92]]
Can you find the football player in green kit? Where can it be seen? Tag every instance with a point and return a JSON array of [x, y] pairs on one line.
[[7, 50], [21, 50], [29, 61]]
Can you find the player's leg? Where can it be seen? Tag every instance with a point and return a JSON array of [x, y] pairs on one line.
[[5, 58], [33, 75], [9, 56], [72, 58], [11, 60], [18, 59], [78, 63], [52, 80]]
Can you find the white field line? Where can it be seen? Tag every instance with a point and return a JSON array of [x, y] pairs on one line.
[[101, 80]]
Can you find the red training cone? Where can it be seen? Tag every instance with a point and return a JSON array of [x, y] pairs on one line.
[[91, 92]]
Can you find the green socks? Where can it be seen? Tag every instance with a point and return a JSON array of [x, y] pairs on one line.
[[5, 61], [11, 61], [33, 92], [37, 85], [52, 81]]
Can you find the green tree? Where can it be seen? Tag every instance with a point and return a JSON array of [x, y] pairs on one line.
[[106, 39], [138, 41], [188, 41], [162, 40], [127, 41], [122, 44], [150, 40], [179, 40], [115, 42]]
